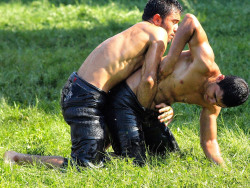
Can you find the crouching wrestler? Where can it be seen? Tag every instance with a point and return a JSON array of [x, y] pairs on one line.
[[111, 62], [190, 77]]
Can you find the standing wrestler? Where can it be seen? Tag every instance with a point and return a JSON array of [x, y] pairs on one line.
[[190, 77], [84, 95]]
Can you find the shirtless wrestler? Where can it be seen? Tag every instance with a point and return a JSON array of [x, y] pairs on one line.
[[190, 77], [84, 95]]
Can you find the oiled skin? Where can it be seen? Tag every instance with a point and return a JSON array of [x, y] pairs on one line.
[[191, 77], [119, 56]]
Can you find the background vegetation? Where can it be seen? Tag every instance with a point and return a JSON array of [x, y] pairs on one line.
[[43, 41]]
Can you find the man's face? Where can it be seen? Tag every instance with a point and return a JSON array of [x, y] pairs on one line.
[[170, 23], [213, 95]]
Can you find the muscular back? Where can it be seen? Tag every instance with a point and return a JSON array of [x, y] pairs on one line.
[[119, 56]]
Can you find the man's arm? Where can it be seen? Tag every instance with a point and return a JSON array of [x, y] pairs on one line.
[[190, 32], [148, 85], [208, 134]]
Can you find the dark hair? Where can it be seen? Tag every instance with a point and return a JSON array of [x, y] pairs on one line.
[[161, 7], [235, 91]]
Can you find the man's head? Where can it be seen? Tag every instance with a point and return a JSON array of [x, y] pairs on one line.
[[163, 13], [235, 91], [227, 91]]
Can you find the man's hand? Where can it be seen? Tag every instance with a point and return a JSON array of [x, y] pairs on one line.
[[208, 134], [167, 113]]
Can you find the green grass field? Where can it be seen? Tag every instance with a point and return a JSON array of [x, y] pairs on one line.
[[42, 42]]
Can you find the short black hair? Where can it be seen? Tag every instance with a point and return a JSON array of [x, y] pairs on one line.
[[161, 7], [235, 91]]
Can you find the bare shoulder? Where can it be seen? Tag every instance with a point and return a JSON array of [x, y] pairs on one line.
[[203, 60], [200, 48], [154, 32]]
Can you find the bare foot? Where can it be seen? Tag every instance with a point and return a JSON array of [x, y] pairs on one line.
[[10, 157]]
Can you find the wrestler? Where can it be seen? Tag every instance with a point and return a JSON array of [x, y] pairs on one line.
[[84, 95], [190, 77]]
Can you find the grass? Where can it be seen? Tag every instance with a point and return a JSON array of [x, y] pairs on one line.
[[43, 41]]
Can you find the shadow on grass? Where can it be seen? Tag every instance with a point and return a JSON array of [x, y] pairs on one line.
[[36, 64], [140, 4], [122, 3]]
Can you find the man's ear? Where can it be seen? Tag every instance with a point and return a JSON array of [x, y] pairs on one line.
[[157, 20], [220, 77]]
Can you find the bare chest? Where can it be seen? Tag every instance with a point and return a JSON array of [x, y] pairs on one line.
[[183, 85]]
